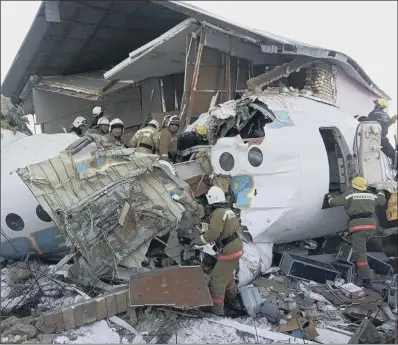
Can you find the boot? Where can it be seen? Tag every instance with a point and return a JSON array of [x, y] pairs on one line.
[[218, 309], [367, 284]]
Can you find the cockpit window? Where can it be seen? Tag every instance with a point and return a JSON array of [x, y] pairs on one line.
[[227, 161], [43, 215], [15, 222], [255, 157]]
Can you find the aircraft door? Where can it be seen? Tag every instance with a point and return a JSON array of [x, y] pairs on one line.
[[367, 147]]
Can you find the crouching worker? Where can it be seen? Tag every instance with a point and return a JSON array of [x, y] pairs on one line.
[[145, 140], [360, 206], [223, 229]]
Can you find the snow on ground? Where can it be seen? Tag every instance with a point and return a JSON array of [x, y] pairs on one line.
[[183, 331], [96, 333], [205, 332], [33, 296]]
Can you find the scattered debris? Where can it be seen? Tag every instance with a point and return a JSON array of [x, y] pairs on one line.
[[366, 334], [352, 291], [306, 268], [300, 327]]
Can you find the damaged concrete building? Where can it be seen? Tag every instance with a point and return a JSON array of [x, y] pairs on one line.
[[81, 54]]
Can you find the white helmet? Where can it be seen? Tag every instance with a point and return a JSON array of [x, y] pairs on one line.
[[80, 120], [215, 195], [174, 120], [155, 123], [115, 122], [103, 121], [166, 120], [97, 111]]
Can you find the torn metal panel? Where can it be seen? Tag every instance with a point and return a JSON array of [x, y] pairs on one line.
[[232, 43], [162, 56], [181, 287], [108, 204], [173, 248], [278, 72], [83, 87]]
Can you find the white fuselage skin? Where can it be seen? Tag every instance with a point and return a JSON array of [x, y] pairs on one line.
[[290, 184], [36, 235]]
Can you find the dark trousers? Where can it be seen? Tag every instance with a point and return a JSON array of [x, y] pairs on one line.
[[358, 240], [389, 151]]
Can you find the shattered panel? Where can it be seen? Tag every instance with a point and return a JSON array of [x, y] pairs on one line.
[[173, 249], [182, 287], [110, 204]]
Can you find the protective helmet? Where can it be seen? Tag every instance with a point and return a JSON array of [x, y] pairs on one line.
[[97, 111], [116, 123], [215, 195], [154, 123], [103, 121], [201, 130], [166, 120], [381, 102], [80, 120], [359, 183], [174, 120]]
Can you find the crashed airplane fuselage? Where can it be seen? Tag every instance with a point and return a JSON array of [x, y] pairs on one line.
[[280, 153]]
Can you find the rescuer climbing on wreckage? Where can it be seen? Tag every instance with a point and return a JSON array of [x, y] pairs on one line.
[[360, 206], [145, 140]]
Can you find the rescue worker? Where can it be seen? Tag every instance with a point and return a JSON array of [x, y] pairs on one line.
[[360, 206], [380, 115], [168, 139], [102, 127], [98, 113], [223, 229], [116, 129], [197, 137], [78, 126], [145, 140], [166, 121]]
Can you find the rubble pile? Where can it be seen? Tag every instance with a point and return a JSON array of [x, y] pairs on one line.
[[277, 306]]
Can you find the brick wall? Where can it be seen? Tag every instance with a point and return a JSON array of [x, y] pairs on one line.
[[321, 81]]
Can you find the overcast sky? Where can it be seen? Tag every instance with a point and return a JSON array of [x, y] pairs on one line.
[[365, 30]]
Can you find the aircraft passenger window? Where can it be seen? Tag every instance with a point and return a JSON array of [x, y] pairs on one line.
[[227, 161], [15, 222], [255, 157], [43, 215]]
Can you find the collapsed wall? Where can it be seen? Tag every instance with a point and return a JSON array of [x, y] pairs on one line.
[[320, 79]]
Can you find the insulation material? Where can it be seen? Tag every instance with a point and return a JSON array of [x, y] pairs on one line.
[[109, 204]]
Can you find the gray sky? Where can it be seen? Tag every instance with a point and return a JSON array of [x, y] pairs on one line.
[[364, 30]]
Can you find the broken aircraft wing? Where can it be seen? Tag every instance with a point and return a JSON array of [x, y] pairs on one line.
[[109, 203]]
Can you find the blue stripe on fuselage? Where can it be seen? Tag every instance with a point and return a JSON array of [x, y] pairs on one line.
[[48, 241]]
